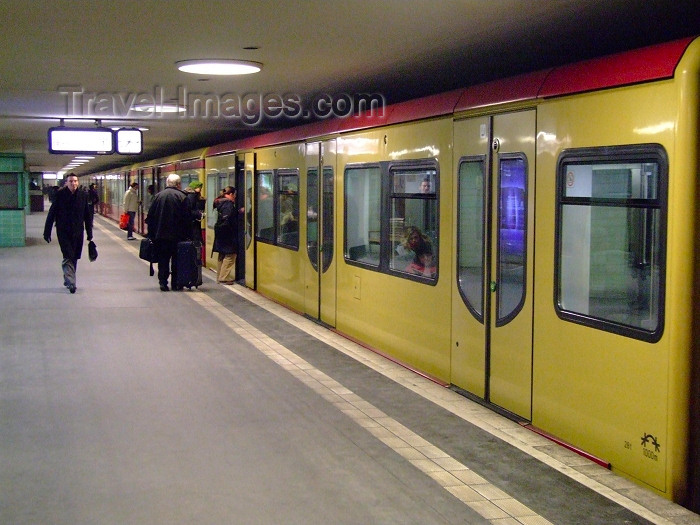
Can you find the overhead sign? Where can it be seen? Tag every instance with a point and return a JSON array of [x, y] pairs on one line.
[[97, 141], [129, 141]]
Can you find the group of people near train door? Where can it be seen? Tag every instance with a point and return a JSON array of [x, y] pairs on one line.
[[176, 215], [173, 216]]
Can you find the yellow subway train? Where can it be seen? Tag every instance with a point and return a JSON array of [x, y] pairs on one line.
[[531, 242]]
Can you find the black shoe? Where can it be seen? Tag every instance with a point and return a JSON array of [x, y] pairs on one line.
[[71, 288], [164, 288]]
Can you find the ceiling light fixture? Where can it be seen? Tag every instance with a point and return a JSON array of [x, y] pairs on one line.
[[140, 128], [165, 107], [213, 66]]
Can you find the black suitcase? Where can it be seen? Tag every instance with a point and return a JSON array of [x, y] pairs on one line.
[[189, 265]]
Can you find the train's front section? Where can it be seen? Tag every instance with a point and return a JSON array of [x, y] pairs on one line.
[[614, 360]]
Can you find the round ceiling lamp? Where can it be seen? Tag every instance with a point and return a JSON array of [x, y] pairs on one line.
[[218, 66]]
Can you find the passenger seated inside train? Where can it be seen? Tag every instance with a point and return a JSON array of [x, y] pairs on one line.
[[423, 262], [289, 224]]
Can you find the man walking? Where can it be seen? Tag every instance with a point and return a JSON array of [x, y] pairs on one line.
[[168, 223], [131, 206], [71, 212]]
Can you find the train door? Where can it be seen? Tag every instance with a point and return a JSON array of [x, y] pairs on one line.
[[320, 278], [240, 203], [492, 321], [146, 197], [249, 169]]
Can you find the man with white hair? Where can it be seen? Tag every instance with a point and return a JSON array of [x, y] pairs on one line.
[[168, 223]]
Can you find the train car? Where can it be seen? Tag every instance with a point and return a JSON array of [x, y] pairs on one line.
[[530, 242], [616, 234]]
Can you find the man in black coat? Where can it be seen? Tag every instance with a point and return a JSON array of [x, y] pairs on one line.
[[226, 235], [168, 223], [71, 212]]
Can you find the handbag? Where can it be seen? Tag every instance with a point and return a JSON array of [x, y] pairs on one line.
[[92, 251], [146, 251], [124, 221]]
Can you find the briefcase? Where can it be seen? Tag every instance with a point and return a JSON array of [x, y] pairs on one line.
[[146, 250]]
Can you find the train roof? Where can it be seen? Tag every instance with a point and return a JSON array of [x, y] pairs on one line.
[[631, 67]]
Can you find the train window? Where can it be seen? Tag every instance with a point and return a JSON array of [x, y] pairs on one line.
[[512, 234], [312, 216], [277, 207], [264, 208], [216, 182], [249, 208], [288, 198], [362, 214], [413, 229], [186, 177], [610, 242], [391, 218], [470, 234], [328, 214]]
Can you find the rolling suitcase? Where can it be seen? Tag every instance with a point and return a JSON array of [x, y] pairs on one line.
[[189, 265]]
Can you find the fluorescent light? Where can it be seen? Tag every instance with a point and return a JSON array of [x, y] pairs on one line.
[[218, 66], [165, 107], [140, 128]]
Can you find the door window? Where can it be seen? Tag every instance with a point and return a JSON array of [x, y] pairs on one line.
[[470, 234], [512, 237], [328, 214]]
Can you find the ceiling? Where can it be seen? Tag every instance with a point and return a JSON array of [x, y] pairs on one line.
[[67, 59]]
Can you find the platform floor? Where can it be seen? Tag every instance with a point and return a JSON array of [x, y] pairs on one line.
[[122, 404]]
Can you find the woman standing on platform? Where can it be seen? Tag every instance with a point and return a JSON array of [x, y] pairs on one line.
[[226, 236], [71, 212]]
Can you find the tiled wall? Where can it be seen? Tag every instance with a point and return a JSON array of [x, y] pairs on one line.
[[12, 227]]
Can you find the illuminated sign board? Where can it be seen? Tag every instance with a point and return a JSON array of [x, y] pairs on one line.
[[97, 141]]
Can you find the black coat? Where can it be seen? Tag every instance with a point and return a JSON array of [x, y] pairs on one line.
[[195, 205], [226, 229], [169, 216], [72, 215]]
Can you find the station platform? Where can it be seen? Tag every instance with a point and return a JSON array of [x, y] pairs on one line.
[[122, 404]]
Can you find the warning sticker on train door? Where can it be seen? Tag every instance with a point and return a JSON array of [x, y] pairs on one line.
[[570, 179]]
